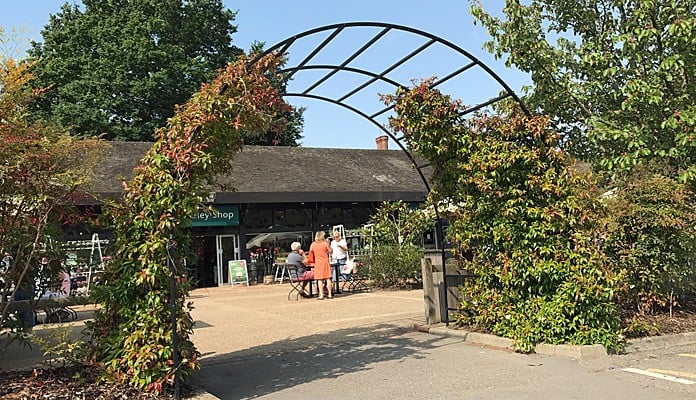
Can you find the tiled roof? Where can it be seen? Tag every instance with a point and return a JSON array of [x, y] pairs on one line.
[[290, 174]]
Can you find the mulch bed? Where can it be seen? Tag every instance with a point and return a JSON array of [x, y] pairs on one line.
[[661, 323], [66, 383]]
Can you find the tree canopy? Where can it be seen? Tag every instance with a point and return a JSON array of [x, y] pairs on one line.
[[119, 67], [616, 76]]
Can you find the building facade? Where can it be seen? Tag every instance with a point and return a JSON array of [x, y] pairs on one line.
[[275, 196]]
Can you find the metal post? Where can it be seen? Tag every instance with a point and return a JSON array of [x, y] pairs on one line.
[[175, 335], [444, 307]]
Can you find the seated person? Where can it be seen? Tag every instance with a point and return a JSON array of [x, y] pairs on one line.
[[298, 258], [26, 291]]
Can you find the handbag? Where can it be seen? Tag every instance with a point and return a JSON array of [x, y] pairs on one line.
[[310, 257]]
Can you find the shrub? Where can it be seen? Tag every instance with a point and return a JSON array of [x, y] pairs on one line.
[[395, 266], [650, 239], [131, 331], [396, 236]]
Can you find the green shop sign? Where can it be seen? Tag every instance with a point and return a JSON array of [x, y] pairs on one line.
[[221, 215]]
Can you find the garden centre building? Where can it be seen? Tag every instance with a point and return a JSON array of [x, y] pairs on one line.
[[275, 196]]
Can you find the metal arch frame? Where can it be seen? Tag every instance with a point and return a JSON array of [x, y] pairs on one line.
[[335, 29]]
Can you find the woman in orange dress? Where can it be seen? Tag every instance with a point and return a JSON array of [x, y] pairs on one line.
[[320, 251]]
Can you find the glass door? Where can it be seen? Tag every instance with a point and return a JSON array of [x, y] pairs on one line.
[[227, 249]]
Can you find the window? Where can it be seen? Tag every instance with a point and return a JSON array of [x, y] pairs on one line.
[[257, 217], [351, 216], [292, 217]]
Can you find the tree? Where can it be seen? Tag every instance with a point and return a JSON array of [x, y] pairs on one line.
[[119, 67], [131, 331], [616, 76], [293, 119], [649, 238], [43, 170], [290, 136]]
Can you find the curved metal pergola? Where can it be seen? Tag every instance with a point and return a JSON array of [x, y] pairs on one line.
[[380, 32]]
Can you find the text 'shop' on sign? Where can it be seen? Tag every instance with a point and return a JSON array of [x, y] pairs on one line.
[[221, 215]]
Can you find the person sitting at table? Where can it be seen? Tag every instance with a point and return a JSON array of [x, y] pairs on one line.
[[320, 251], [298, 258]]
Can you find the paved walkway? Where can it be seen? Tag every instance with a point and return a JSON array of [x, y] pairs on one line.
[[239, 319], [260, 345], [236, 320], [16, 356]]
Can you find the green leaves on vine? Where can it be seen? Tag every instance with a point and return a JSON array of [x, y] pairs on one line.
[[131, 331], [512, 204]]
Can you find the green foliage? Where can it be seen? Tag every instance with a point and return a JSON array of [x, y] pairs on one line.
[[538, 277], [396, 224], [395, 266], [294, 119], [119, 67], [396, 237], [131, 331], [637, 328], [59, 348], [290, 136], [648, 235], [617, 77], [43, 170]]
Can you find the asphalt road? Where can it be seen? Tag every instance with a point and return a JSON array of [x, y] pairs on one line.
[[415, 365]]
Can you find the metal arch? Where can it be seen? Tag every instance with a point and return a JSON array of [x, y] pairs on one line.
[[382, 128], [335, 29], [347, 69], [284, 45]]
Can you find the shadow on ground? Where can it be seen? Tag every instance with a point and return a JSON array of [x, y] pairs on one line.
[[271, 368], [17, 354]]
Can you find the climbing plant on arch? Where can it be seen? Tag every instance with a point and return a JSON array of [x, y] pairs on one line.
[[537, 276], [131, 331]]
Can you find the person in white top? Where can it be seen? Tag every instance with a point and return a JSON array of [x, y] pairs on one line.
[[340, 253]]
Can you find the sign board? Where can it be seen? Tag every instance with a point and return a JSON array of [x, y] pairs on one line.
[[238, 272], [221, 215]]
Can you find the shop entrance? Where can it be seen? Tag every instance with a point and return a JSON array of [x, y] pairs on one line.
[[204, 262], [227, 249]]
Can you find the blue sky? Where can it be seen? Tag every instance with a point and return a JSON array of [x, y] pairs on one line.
[[328, 125]]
